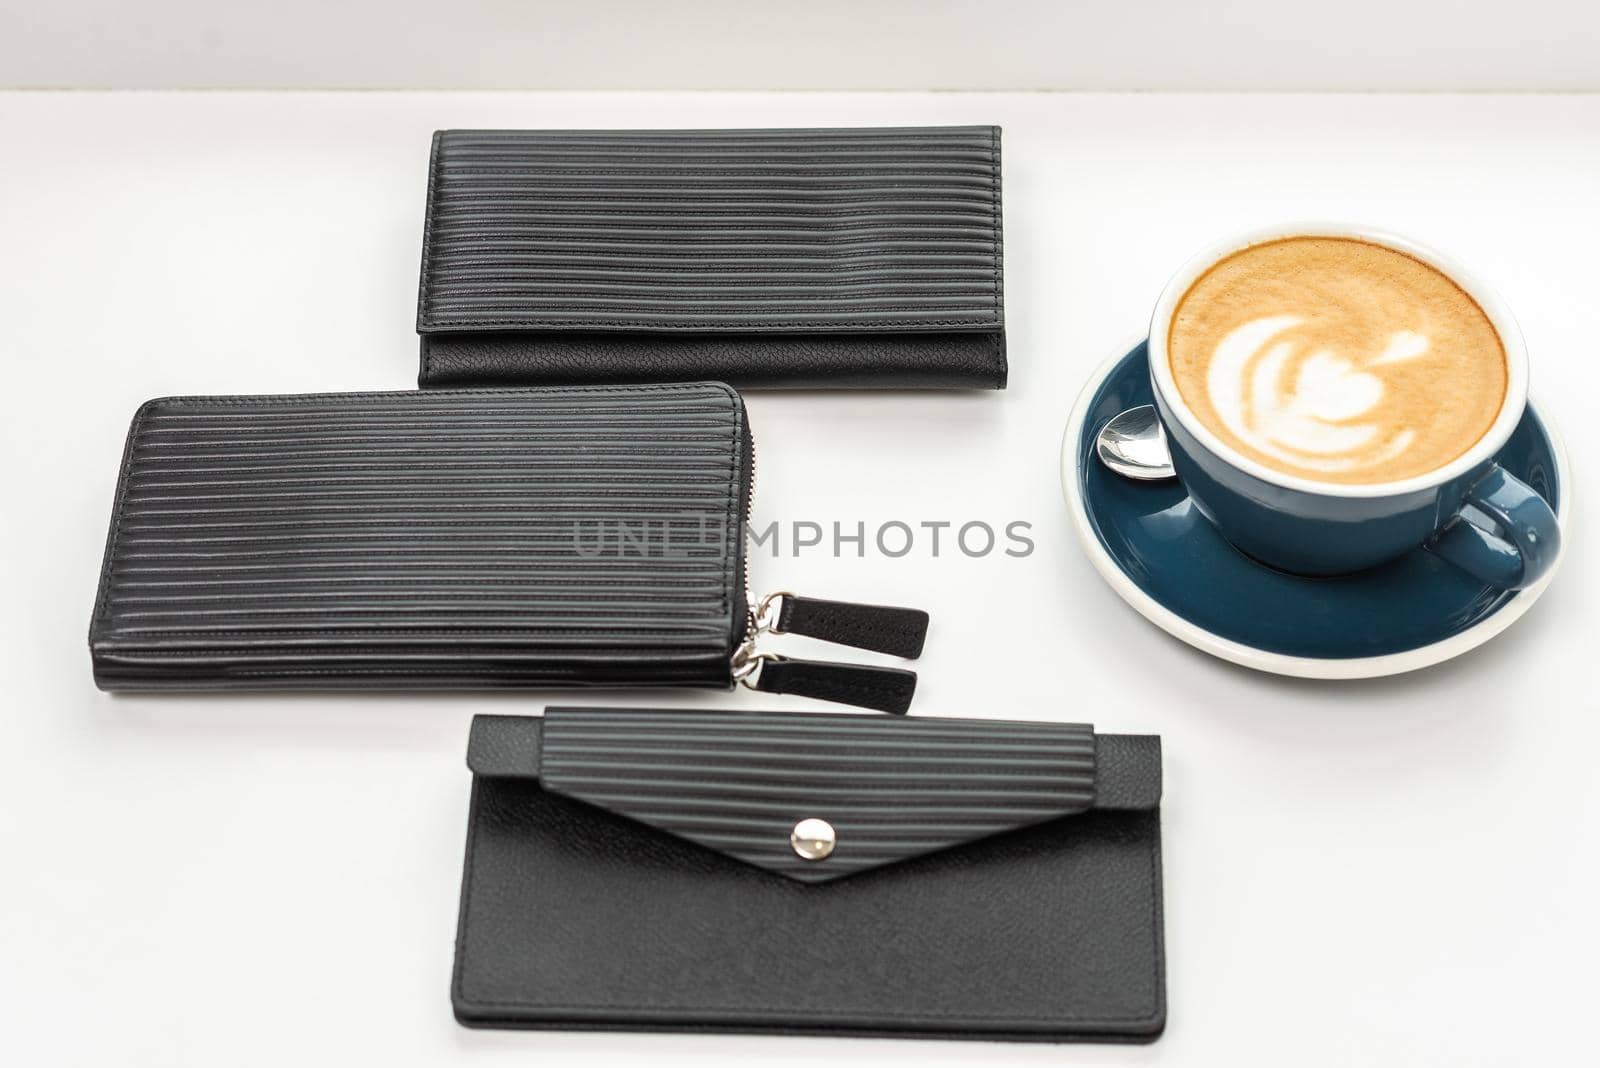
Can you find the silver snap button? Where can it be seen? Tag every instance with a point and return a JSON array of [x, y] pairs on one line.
[[812, 839]]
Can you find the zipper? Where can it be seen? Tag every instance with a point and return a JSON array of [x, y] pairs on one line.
[[746, 627], [879, 628]]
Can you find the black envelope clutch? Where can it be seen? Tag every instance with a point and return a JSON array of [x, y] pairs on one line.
[[557, 537], [764, 258], [827, 874]]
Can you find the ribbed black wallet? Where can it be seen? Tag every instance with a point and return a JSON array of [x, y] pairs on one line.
[[678, 870], [764, 258], [483, 538], [544, 537]]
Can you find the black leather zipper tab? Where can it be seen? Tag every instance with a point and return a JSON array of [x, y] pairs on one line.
[[876, 627], [885, 689]]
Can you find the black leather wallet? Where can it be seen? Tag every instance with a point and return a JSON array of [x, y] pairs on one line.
[[554, 537], [764, 258], [812, 874]]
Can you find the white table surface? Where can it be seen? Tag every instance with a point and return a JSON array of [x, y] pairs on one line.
[[1399, 871]]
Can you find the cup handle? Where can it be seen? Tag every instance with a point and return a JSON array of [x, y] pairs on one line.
[[1519, 547]]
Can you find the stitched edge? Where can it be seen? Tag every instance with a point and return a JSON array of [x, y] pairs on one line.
[[427, 230], [102, 606], [1157, 1010], [736, 518], [997, 339]]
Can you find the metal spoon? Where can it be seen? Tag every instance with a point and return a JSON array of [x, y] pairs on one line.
[[1134, 446]]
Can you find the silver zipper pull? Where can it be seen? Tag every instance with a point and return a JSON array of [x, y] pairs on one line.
[[747, 661], [879, 628]]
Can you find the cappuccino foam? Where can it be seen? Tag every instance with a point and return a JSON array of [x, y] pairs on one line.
[[1338, 360]]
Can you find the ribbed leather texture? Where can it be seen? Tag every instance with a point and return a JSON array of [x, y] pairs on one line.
[[891, 789], [708, 230], [402, 540]]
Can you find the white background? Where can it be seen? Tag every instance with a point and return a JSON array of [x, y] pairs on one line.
[[1392, 872], [802, 44]]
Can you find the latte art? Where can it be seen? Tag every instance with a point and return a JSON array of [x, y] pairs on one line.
[[1306, 409], [1337, 360]]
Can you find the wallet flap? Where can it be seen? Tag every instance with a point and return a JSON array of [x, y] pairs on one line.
[[706, 231], [816, 797]]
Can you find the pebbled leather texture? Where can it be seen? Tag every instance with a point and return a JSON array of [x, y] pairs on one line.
[[887, 689], [880, 628], [577, 917], [878, 360], [816, 258], [486, 538]]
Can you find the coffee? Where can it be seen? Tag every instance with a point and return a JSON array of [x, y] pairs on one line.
[[1337, 360]]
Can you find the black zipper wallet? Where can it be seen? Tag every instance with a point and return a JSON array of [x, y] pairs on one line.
[[630, 869], [765, 258], [559, 537]]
